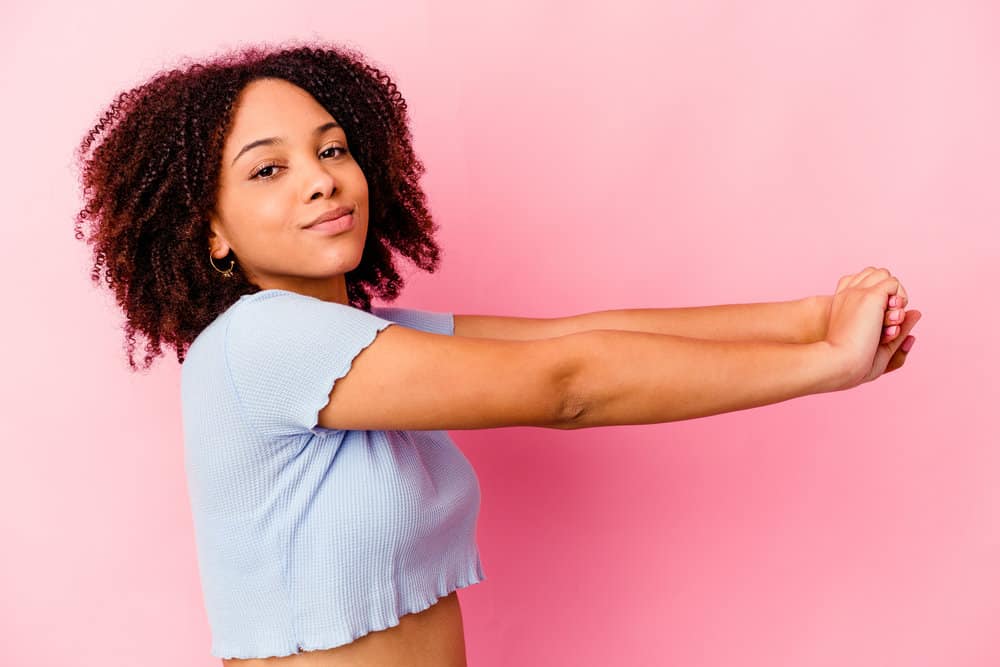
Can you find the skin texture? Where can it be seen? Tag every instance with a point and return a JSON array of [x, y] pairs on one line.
[[272, 191]]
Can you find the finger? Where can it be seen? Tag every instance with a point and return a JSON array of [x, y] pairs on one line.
[[897, 359], [876, 276], [912, 317], [893, 316], [858, 279], [883, 290], [900, 297], [896, 292], [889, 352]]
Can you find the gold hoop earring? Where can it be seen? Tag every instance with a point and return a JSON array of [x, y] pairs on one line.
[[228, 272]]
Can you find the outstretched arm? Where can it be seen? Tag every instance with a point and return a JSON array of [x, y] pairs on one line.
[[798, 321]]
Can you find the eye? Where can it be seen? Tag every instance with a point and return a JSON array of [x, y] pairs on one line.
[[262, 170], [259, 173], [339, 148]]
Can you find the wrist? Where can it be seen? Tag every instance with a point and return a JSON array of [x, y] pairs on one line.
[[832, 371], [816, 317]]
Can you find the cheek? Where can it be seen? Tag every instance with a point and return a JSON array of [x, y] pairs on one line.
[[256, 225], [271, 214], [360, 182], [263, 214]]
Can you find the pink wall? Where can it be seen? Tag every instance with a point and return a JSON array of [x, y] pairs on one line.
[[581, 156]]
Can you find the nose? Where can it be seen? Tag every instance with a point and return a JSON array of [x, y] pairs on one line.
[[320, 182]]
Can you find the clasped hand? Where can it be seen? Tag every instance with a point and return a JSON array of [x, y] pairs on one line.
[[871, 293]]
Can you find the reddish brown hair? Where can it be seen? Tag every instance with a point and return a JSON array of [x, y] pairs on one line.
[[150, 171]]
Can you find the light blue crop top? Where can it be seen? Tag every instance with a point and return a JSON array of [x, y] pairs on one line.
[[308, 538]]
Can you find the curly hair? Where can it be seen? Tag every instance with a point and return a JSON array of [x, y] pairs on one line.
[[150, 184]]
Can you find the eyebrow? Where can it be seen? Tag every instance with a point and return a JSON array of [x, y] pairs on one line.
[[269, 141]]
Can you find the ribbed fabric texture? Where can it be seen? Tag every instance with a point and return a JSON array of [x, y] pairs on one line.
[[308, 538]]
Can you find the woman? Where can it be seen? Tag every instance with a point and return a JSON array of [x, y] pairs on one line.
[[335, 519]]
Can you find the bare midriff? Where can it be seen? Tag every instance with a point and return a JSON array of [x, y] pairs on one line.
[[433, 637]]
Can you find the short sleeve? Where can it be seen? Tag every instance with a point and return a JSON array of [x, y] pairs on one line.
[[285, 351], [424, 320]]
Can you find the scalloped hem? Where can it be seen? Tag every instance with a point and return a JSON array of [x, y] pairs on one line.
[[300, 648], [322, 401]]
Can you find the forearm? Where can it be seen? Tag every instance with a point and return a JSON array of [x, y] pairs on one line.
[[797, 321], [626, 377]]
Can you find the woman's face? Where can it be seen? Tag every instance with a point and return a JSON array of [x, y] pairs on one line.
[[268, 193]]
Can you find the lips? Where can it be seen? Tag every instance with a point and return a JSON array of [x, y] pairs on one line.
[[332, 214]]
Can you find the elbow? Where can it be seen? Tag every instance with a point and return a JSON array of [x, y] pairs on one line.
[[566, 357], [572, 406], [571, 415]]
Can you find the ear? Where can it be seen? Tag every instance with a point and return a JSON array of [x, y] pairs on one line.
[[217, 238]]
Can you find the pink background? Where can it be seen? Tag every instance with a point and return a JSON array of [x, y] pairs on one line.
[[581, 156]]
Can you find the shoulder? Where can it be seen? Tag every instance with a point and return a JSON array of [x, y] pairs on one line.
[[431, 321], [280, 312]]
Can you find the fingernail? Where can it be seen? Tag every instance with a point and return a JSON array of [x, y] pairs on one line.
[[893, 302], [908, 343]]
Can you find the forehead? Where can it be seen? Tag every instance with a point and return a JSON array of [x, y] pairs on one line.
[[273, 108]]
